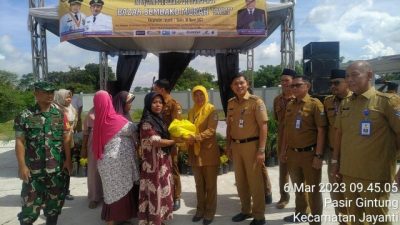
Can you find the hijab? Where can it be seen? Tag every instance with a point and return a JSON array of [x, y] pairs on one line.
[[153, 118], [199, 113], [120, 100], [107, 122], [60, 97]]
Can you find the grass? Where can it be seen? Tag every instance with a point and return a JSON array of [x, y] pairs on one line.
[[7, 131]]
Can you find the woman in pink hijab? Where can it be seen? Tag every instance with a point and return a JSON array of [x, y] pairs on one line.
[[114, 148]]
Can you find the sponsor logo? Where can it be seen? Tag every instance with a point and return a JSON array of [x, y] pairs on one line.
[[153, 32], [193, 32], [140, 32], [166, 32]]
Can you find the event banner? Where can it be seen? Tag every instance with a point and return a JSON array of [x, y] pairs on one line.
[[128, 18]]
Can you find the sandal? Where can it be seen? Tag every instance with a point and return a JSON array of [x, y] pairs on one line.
[[93, 204]]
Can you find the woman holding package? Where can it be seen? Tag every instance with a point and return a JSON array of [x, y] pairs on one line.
[[114, 149], [155, 195], [204, 154], [63, 99], [95, 188]]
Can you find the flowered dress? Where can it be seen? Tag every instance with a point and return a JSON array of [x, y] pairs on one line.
[[155, 195]]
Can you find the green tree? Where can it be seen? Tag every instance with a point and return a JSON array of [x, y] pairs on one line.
[[8, 78], [267, 76], [26, 82], [192, 77]]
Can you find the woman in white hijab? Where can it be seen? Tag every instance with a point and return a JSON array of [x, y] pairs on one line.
[[63, 99]]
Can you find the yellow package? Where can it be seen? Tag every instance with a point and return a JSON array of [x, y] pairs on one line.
[[182, 128]]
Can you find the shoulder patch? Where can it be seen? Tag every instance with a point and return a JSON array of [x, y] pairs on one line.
[[254, 97], [231, 99]]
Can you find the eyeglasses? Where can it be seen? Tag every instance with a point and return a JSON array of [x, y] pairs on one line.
[[296, 85], [335, 82]]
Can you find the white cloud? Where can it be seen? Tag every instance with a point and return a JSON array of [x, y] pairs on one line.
[[12, 59], [375, 49]]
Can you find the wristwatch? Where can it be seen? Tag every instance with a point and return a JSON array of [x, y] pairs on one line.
[[334, 161]]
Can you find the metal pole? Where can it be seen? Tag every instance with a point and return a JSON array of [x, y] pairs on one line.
[[250, 65], [103, 70]]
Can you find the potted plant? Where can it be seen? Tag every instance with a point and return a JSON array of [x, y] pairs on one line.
[[183, 162], [83, 167], [224, 163]]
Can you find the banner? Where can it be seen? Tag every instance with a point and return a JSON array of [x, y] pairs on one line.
[[141, 18]]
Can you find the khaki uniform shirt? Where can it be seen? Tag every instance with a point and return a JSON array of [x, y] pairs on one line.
[[310, 112], [280, 104], [371, 157], [250, 110], [171, 110], [331, 105], [209, 151]]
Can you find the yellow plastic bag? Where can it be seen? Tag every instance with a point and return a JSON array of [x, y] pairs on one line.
[[182, 128]]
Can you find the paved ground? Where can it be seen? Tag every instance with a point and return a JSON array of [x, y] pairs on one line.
[[76, 212]]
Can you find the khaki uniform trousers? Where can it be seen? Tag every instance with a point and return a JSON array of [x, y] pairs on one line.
[[371, 209], [337, 196], [267, 181], [206, 190], [175, 174], [248, 174], [302, 172], [283, 178]]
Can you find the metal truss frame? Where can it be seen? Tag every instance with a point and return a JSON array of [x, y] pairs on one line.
[[288, 38], [38, 44]]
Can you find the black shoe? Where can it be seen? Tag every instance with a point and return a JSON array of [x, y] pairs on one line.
[[177, 204], [51, 220], [69, 197], [258, 222], [240, 217], [206, 222], [22, 223], [296, 218], [268, 199], [196, 218]]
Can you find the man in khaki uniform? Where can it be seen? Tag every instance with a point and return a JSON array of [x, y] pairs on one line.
[[340, 91], [366, 142], [280, 103], [246, 139], [171, 110], [303, 144]]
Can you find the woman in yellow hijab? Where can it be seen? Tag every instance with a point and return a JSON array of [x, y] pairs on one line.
[[204, 154]]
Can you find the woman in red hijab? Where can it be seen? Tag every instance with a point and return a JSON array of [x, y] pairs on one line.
[[114, 148]]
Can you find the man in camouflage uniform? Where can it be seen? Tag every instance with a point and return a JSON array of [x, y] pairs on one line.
[[43, 155], [171, 110]]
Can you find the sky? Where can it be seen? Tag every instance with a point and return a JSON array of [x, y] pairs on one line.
[[365, 29]]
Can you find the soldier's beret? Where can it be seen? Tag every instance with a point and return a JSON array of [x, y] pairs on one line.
[[289, 72], [44, 86], [96, 2], [75, 1], [336, 73]]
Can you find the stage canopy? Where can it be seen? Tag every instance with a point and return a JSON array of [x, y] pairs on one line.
[[276, 14], [174, 52]]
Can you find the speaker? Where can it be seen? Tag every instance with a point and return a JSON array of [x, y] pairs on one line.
[[321, 50], [319, 58]]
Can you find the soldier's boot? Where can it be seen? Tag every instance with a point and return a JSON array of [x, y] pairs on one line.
[[51, 220], [24, 223]]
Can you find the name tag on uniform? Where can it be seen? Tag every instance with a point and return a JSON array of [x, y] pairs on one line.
[[241, 123], [365, 128], [298, 123]]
